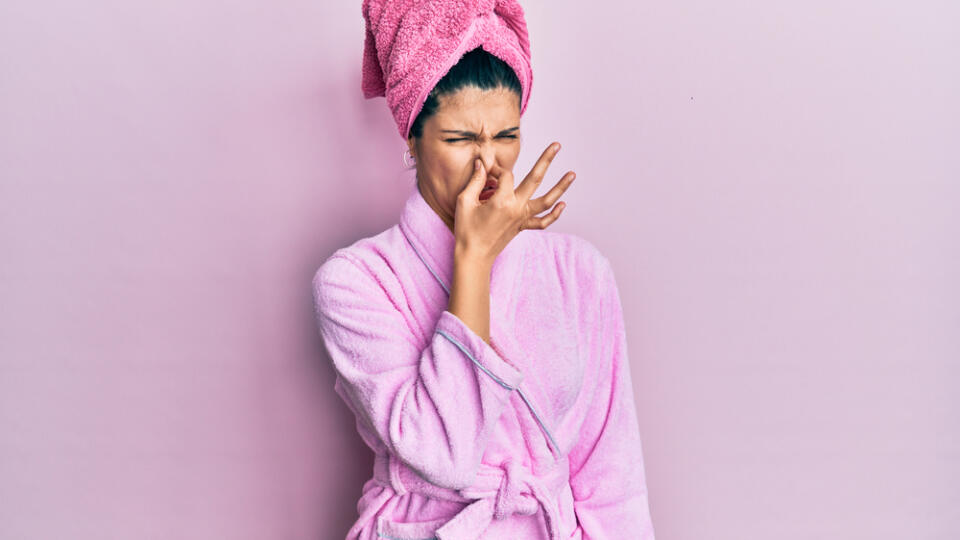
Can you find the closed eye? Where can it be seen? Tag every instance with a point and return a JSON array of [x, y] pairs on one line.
[[464, 138]]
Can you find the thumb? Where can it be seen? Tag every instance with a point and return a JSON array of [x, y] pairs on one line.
[[477, 180]]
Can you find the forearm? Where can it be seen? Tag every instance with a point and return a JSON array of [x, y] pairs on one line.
[[433, 403], [470, 292]]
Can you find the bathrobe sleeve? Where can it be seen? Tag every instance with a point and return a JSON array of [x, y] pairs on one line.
[[606, 465], [432, 406]]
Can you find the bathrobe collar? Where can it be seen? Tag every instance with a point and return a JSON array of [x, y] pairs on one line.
[[434, 244]]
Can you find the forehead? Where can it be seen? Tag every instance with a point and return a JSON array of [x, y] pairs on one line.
[[474, 109]]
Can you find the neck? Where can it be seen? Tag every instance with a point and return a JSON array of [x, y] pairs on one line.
[[436, 208]]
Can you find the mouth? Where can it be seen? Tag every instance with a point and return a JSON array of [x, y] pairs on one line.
[[490, 186]]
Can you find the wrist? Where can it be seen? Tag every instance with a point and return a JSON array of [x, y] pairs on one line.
[[468, 260]]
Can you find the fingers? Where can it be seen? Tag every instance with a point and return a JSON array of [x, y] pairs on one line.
[[546, 201], [475, 185], [533, 179], [545, 221]]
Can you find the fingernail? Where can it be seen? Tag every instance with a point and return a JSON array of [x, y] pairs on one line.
[[476, 165]]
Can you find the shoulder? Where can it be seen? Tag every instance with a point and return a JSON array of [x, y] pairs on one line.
[[363, 263], [572, 252]]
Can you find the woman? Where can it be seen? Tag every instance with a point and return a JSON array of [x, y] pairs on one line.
[[483, 356]]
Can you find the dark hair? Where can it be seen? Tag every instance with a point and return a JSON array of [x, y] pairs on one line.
[[476, 68]]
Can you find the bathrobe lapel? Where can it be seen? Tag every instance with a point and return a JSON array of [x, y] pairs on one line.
[[433, 243]]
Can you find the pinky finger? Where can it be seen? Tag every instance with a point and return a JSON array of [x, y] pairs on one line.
[[547, 220]]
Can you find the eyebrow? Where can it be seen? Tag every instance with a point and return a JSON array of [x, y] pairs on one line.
[[472, 134]]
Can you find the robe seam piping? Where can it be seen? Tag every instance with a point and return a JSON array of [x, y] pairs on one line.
[[479, 365]]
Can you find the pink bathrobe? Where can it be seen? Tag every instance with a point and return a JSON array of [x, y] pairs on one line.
[[534, 435]]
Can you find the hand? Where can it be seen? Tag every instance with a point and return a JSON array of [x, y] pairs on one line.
[[484, 228]]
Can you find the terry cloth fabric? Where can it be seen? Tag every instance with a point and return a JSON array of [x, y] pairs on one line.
[[411, 44], [532, 435]]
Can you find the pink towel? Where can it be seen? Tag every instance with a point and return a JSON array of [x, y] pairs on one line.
[[411, 44]]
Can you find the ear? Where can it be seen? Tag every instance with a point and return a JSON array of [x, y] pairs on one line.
[[411, 145]]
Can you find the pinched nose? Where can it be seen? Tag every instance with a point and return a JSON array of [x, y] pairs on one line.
[[494, 170]]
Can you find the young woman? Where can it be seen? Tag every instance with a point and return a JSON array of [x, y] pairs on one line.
[[483, 356]]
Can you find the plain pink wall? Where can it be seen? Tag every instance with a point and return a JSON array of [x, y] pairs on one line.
[[776, 184]]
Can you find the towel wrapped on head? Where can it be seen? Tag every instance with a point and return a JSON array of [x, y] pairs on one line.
[[411, 44]]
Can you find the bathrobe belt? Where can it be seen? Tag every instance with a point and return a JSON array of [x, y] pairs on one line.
[[497, 493]]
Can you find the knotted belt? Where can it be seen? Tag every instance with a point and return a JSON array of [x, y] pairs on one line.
[[497, 493]]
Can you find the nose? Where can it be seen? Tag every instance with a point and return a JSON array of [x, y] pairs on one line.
[[487, 154]]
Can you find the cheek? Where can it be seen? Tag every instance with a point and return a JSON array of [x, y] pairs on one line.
[[449, 177], [456, 171], [508, 155]]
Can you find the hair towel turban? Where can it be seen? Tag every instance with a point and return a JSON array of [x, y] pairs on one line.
[[411, 44]]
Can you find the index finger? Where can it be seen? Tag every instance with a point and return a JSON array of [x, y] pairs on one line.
[[532, 180]]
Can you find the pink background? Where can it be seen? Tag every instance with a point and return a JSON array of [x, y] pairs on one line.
[[777, 185]]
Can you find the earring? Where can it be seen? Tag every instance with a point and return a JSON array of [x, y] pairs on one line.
[[405, 154]]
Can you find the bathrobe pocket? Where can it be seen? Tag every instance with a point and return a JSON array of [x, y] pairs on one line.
[[409, 530]]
